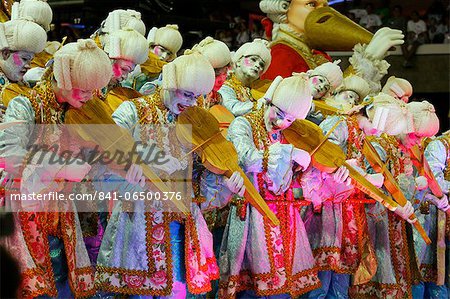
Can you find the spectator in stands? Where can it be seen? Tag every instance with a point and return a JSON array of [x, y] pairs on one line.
[[371, 21], [383, 11], [436, 31], [243, 34], [416, 35], [397, 20]]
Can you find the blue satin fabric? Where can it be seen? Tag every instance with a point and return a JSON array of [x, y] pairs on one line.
[[59, 266], [429, 290], [177, 246], [334, 286]]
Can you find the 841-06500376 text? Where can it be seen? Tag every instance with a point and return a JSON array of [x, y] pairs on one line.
[[98, 195]]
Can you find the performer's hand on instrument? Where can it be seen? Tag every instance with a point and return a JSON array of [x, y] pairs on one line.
[[74, 172], [261, 103], [342, 176], [236, 183], [135, 175], [301, 157], [405, 212], [384, 39], [421, 183], [441, 203]]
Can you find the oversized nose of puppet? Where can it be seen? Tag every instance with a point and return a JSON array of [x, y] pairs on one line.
[[341, 32]]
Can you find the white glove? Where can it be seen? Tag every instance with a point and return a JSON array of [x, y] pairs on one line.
[[341, 175], [421, 183], [261, 103], [440, 203], [405, 212], [135, 175], [75, 171], [382, 41], [170, 166], [301, 157], [235, 183]]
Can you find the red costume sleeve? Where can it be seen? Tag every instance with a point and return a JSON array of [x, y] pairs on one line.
[[286, 61]]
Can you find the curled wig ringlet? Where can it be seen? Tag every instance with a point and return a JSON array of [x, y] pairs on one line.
[[120, 19], [276, 10]]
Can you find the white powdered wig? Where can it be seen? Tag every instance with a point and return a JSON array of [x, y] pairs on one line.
[[331, 71], [398, 119], [120, 19], [127, 44], [258, 47], [293, 95], [276, 10], [217, 52], [82, 65], [37, 10], [22, 35], [426, 122], [191, 73], [168, 36]]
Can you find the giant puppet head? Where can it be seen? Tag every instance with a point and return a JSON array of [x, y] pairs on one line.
[[314, 19]]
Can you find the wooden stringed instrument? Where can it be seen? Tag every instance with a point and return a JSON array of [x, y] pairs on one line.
[[96, 111], [390, 183], [217, 154], [119, 94], [305, 135]]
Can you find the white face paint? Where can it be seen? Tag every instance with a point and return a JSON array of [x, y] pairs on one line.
[[251, 67], [121, 68], [15, 64], [319, 86], [75, 97], [180, 100], [276, 119], [344, 100], [163, 53]]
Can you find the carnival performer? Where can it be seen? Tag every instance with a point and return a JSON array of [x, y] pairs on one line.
[[437, 154], [164, 44], [426, 124], [165, 252], [399, 88], [49, 245], [335, 222], [20, 40], [256, 258], [291, 51], [390, 234], [249, 62], [126, 48], [219, 56], [349, 96], [324, 79], [41, 13]]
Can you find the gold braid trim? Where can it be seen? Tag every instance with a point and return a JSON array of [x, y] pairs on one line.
[[243, 93]]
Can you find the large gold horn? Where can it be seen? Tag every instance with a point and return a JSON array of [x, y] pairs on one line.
[[328, 30]]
